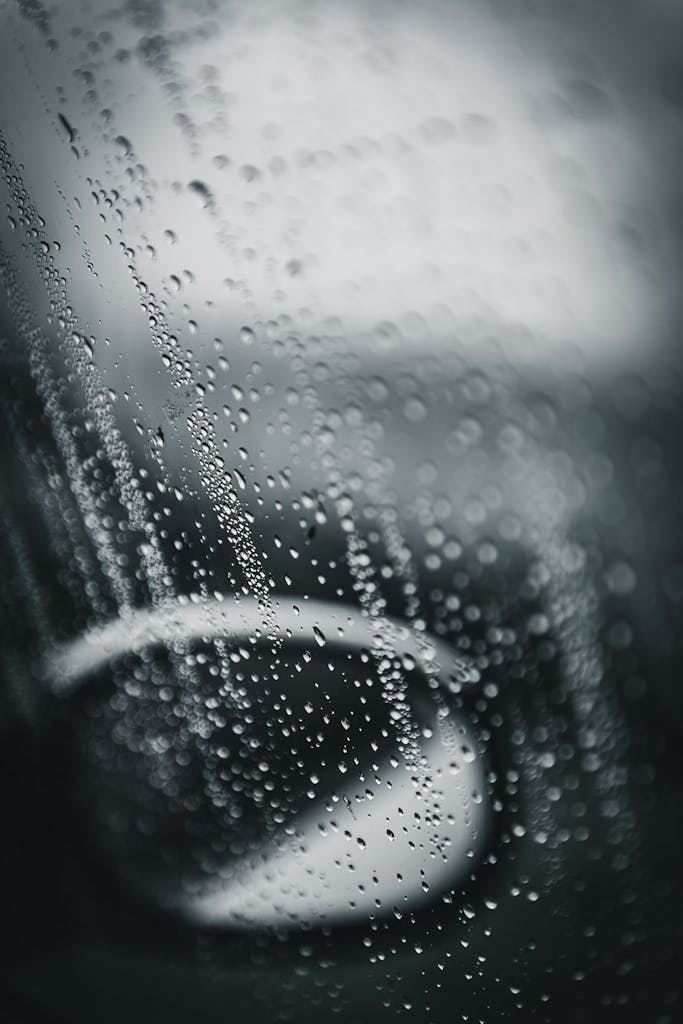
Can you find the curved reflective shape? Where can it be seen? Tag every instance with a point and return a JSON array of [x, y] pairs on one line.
[[324, 623], [391, 824]]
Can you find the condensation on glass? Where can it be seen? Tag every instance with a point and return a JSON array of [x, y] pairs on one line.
[[332, 338]]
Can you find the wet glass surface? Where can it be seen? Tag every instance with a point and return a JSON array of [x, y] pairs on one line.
[[341, 548]]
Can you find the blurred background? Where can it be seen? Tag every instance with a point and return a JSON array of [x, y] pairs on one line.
[[341, 500]]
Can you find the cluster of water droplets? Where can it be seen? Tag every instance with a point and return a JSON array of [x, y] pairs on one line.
[[328, 649]]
